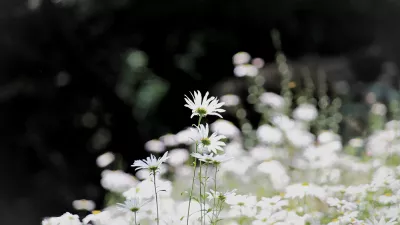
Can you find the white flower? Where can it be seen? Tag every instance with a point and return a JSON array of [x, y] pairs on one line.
[[203, 106], [151, 163], [241, 200], [98, 218], [242, 205], [356, 142], [230, 100], [382, 221], [245, 70], [276, 172], [178, 157], [300, 138], [305, 112], [169, 140], [241, 58], [132, 204], [304, 189], [211, 143], [269, 134], [378, 109], [219, 195], [341, 205], [66, 219], [211, 158], [273, 204], [117, 181], [83, 204], [273, 100], [327, 136], [265, 217], [155, 146], [225, 128], [105, 159]]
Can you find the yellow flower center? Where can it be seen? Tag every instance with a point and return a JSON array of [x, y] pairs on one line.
[[94, 212], [201, 111], [305, 184], [205, 141]]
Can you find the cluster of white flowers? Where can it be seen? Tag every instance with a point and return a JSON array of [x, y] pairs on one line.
[[291, 176]]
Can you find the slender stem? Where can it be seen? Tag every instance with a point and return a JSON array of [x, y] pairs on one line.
[[204, 193], [155, 192], [135, 219], [215, 191], [200, 197], [194, 174]]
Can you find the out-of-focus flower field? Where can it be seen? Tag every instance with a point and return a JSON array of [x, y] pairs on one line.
[[293, 168]]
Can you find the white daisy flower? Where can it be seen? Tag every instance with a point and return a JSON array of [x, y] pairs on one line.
[[382, 221], [203, 106], [98, 218], [211, 158], [304, 189], [219, 195], [151, 163], [273, 204], [305, 112], [132, 204], [211, 143]]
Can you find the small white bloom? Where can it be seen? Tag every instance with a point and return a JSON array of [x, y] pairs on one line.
[[211, 143], [211, 158], [341, 205], [132, 204], [219, 195], [105, 159], [305, 112], [230, 99], [327, 136], [269, 134], [178, 156], [66, 219], [117, 181], [356, 142], [273, 100], [98, 218], [203, 106], [84, 204], [273, 204], [151, 163], [304, 189], [225, 128], [378, 109], [241, 58], [382, 221], [169, 140], [155, 146], [300, 138]]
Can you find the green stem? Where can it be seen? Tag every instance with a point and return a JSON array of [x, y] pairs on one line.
[[155, 192], [200, 197], [215, 191], [194, 174], [135, 219], [204, 193]]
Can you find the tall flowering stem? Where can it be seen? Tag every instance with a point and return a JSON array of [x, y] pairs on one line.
[[215, 191], [194, 174], [155, 192]]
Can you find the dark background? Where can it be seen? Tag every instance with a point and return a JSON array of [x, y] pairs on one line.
[[81, 77]]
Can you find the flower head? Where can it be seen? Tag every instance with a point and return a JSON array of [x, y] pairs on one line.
[[203, 106], [132, 204], [211, 143], [211, 158], [151, 163]]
